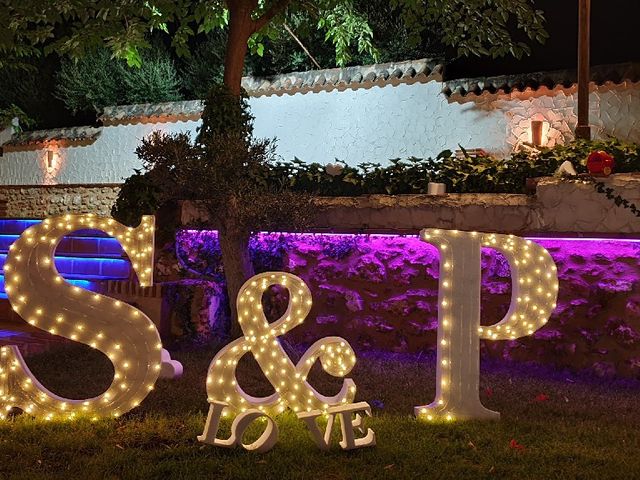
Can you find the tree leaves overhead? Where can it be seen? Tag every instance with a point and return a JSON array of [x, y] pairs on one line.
[[345, 26], [73, 27], [477, 27]]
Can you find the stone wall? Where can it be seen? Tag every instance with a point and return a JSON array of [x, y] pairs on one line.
[[558, 206], [566, 206], [381, 292], [43, 201]]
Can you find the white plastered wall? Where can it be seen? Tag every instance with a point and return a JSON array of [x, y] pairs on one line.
[[363, 125]]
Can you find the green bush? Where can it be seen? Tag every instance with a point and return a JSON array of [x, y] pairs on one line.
[[90, 83], [626, 155], [155, 81], [225, 115], [139, 195], [9, 113], [205, 67], [461, 175], [98, 80], [411, 176]]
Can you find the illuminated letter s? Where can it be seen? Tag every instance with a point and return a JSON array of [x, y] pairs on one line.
[[41, 296]]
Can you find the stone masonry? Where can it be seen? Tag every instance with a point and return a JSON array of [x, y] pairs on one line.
[[43, 201]]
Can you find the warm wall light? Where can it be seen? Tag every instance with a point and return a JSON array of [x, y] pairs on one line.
[[51, 160], [536, 132]]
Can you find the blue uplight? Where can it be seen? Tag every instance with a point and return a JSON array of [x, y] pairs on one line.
[[82, 258]]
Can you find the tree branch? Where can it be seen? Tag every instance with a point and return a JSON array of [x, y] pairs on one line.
[[277, 8], [295, 37]]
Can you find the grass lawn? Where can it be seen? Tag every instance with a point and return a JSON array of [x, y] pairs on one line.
[[586, 428]]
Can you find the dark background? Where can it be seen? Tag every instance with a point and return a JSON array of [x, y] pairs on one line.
[[615, 38]]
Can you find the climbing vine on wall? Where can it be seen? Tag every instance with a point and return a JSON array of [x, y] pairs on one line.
[[619, 200]]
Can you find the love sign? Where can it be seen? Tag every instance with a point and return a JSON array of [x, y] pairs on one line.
[[261, 340], [129, 338]]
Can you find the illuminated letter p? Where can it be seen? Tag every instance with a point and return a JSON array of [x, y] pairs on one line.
[[534, 294]]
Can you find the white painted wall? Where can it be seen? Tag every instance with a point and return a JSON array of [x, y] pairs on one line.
[[110, 159], [374, 125]]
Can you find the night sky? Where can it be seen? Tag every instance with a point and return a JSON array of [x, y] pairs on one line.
[[615, 38]]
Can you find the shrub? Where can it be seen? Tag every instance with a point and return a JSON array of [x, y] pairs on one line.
[[228, 170], [155, 81], [139, 195], [89, 84], [461, 174], [8, 114], [626, 155], [205, 67], [411, 176], [98, 80]]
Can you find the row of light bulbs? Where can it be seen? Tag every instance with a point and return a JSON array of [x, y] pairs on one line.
[[535, 272], [260, 339], [136, 374], [123, 333]]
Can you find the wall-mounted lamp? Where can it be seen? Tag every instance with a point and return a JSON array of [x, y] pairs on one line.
[[536, 132], [51, 160]]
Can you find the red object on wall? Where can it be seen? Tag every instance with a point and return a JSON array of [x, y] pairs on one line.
[[600, 164]]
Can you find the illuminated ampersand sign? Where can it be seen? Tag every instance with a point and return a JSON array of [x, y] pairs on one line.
[[260, 339], [534, 294], [44, 299]]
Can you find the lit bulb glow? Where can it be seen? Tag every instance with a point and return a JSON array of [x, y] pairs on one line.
[[71, 312], [288, 379], [260, 338], [533, 299]]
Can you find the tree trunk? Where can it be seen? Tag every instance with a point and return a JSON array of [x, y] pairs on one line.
[[234, 246], [241, 27], [234, 242]]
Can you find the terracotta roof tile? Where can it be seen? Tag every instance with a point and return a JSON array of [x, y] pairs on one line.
[[168, 111], [600, 75], [61, 136], [290, 83]]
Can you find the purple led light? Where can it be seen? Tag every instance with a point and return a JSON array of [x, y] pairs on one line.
[[585, 239], [537, 238]]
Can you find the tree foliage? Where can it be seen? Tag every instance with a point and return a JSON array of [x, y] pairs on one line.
[[462, 174], [205, 66], [225, 167], [97, 80], [477, 27], [471, 27], [32, 91], [10, 114]]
